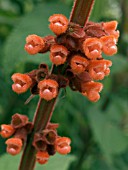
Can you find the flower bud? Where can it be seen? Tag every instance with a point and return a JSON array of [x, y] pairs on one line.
[[78, 64], [22, 82], [42, 157], [14, 146], [58, 23], [62, 145], [58, 54], [109, 45], [92, 48], [48, 89], [7, 131], [34, 44]]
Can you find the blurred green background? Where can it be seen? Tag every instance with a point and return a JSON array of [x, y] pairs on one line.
[[99, 131]]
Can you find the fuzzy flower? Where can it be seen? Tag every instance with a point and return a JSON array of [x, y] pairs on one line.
[[48, 89], [109, 45], [22, 82], [7, 131], [58, 23], [42, 157], [34, 44], [58, 54], [92, 48], [78, 64], [63, 145], [14, 146], [110, 28], [98, 69], [91, 90]]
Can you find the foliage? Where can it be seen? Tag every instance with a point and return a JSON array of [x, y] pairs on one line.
[[99, 131]]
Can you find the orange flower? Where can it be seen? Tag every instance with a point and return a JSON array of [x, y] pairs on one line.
[[78, 64], [98, 69], [110, 27], [92, 48], [48, 89], [58, 54], [91, 90], [14, 146], [21, 82], [42, 157], [109, 45], [58, 23], [7, 130], [62, 145], [34, 44]]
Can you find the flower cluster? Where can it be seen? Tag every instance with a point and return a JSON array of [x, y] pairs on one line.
[[19, 128], [46, 143], [76, 53], [77, 62]]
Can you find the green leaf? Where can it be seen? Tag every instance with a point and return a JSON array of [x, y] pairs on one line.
[[56, 162], [35, 22], [107, 133]]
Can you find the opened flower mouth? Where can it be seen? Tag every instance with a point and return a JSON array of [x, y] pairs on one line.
[[48, 89], [14, 146], [58, 54], [78, 64], [21, 82], [58, 23], [34, 44], [42, 157], [92, 48], [63, 145]]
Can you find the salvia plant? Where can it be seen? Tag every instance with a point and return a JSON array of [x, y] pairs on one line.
[[76, 55]]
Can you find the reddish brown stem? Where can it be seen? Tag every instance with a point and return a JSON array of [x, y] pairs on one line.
[[42, 117], [81, 11]]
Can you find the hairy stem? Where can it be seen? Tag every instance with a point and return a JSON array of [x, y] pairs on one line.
[[81, 11]]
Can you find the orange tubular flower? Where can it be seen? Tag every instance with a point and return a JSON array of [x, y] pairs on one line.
[[7, 131], [98, 69], [62, 145], [34, 44], [58, 54], [78, 64], [109, 45], [14, 146], [92, 48], [42, 157], [48, 89], [21, 82], [91, 90], [110, 28], [58, 23]]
